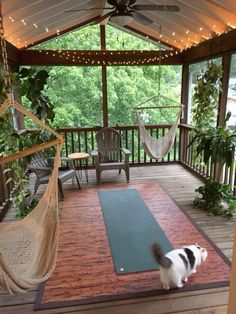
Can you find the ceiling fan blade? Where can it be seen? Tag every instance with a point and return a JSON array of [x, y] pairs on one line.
[[168, 8], [140, 18], [80, 10]]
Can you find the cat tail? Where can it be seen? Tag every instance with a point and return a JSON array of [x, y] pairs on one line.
[[159, 256]]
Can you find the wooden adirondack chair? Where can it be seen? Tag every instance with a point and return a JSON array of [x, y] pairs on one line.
[[108, 155], [42, 168]]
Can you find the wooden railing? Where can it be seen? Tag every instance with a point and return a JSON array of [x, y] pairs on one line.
[[5, 189], [83, 139], [187, 158]]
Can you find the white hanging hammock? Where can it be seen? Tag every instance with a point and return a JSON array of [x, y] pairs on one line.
[[153, 147]]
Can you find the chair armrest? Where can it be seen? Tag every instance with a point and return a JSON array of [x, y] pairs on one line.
[[95, 156], [67, 159], [126, 151], [62, 158]]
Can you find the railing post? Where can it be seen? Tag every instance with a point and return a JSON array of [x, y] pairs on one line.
[[185, 91]]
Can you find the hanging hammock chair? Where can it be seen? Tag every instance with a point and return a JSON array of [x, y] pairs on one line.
[[153, 147], [28, 248]]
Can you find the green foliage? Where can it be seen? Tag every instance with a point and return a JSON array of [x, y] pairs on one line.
[[206, 96], [216, 198], [33, 83], [216, 143], [24, 203], [76, 92]]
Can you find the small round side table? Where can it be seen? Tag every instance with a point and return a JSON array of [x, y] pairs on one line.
[[82, 157]]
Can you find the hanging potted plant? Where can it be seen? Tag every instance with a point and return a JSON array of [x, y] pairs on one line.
[[206, 96]]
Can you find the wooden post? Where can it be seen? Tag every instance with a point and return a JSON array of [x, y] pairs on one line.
[[232, 288], [185, 102], [104, 78], [222, 105], [226, 60]]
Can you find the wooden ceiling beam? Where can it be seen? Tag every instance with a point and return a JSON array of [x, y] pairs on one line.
[[12, 53], [96, 57], [211, 48]]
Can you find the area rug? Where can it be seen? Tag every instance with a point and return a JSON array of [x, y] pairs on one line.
[[131, 230], [84, 272]]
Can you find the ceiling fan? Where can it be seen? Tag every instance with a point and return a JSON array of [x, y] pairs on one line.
[[124, 11]]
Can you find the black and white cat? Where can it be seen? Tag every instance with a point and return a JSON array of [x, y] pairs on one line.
[[177, 265]]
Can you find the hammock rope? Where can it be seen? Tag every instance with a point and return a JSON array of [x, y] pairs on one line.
[[28, 248], [153, 147]]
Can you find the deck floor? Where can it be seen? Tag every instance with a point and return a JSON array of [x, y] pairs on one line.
[[180, 184]]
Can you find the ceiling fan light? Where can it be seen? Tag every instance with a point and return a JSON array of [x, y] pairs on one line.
[[121, 19]]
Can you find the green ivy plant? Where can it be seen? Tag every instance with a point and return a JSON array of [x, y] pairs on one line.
[[32, 84], [206, 96], [29, 83]]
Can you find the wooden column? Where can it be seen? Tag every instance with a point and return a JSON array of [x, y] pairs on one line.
[[184, 101], [104, 78], [185, 91], [232, 289], [226, 60]]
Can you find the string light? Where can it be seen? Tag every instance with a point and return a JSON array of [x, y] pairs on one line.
[[178, 43]]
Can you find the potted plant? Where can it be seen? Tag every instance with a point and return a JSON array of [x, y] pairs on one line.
[[218, 145]]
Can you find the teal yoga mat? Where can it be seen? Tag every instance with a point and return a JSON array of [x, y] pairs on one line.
[[131, 229]]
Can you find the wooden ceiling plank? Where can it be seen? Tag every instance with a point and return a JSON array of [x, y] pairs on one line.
[[204, 20], [67, 28], [225, 5], [55, 25], [9, 7], [41, 18], [174, 24], [170, 27], [187, 13], [210, 10]]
